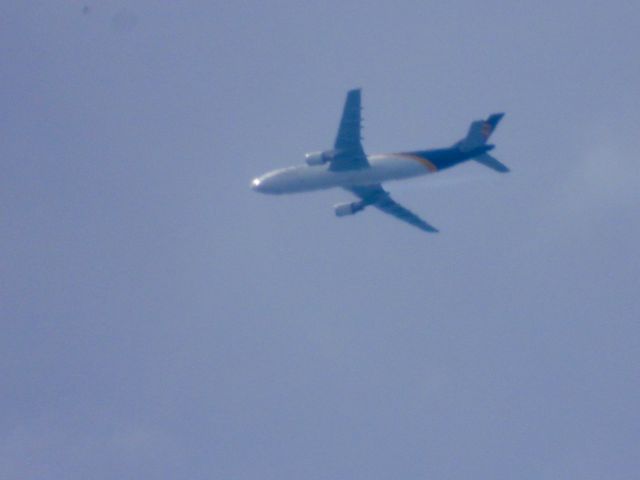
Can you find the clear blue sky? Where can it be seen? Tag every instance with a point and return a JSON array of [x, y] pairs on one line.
[[160, 320]]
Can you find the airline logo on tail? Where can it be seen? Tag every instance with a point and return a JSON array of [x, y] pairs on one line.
[[487, 130], [489, 125]]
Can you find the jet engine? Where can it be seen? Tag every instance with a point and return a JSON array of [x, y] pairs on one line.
[[344, 209], [318, 158]]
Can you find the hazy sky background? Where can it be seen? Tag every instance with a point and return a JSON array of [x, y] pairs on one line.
[[161, 320]]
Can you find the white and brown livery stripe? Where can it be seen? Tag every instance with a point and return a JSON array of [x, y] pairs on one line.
[[425, 162]]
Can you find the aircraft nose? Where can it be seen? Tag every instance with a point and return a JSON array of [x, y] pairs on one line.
[[267, 184], [256, 185]]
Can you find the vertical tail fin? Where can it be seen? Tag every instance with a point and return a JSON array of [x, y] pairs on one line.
[[479, 132], [477, 137]]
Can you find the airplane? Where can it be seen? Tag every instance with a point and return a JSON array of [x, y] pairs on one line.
[[348, 167]]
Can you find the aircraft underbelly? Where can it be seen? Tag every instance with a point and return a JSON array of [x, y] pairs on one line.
[[383, 168]]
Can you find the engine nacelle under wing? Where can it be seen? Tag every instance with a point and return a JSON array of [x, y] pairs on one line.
[[318, 158], [344, 209]]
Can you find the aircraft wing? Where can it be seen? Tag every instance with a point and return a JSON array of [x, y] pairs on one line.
[[349, 154], [378, 197]]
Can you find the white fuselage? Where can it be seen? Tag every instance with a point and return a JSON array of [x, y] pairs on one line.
[[305, 178]]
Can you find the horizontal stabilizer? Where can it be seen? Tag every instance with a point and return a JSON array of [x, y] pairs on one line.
[[491, 162]]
